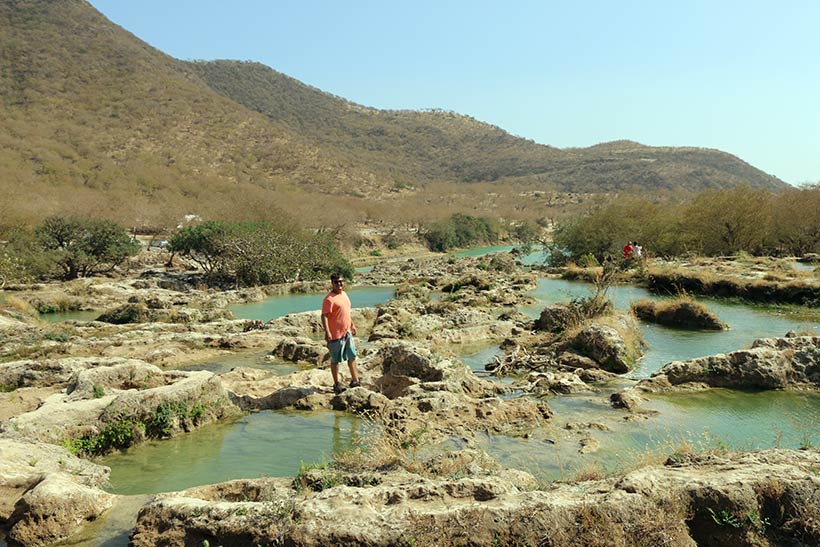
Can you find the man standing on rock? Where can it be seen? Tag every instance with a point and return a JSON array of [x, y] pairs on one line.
[[339, 332]]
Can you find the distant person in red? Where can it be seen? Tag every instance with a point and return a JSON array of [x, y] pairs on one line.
[[339, 332], [628, 249]]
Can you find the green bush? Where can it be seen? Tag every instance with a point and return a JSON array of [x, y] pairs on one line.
[[588, 261], [259, 253], [83, 247], [555, 255], [714, 222], [460, 231], [119, 434], [526, 233], [22, 259]]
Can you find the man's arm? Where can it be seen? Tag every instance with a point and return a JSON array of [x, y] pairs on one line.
[[326, 327]]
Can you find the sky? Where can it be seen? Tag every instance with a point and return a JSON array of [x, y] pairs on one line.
[[739, 76]]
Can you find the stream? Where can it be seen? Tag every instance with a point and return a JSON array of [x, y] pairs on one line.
[[277, 443]]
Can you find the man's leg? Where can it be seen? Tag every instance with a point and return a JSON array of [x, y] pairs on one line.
[[334, 371], [354, 372]]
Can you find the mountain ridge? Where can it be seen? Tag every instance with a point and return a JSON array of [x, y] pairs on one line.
[[533, 159]]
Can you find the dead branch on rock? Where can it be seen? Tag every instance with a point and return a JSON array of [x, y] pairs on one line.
[[518, 359]]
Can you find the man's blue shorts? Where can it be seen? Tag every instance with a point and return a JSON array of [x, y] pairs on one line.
[[342, 349]]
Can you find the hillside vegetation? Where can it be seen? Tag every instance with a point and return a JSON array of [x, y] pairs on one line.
[[438, 145], [97, 123], [714, 223]]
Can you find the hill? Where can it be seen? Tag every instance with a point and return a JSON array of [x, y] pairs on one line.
[[437, 145], [95, 121]]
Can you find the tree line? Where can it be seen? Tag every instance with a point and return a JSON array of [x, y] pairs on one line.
[[461, 231], [238, 253], [260, 253], [713, 223]]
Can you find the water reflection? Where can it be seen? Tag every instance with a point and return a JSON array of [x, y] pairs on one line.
[[61, 317], [229, 361], [746, 324], [281, 305], [113, 529], [717, 419], [269, 443]]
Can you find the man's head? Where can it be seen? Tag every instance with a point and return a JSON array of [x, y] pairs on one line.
[[338, 281]]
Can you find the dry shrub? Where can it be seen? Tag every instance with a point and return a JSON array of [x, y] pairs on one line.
[[573, 271], [19, 308], [803, 520], [646, 523], [474, 527], [590, 472], [687, 448], [682, 311], [383, 448], [777, 277], [460, 464]]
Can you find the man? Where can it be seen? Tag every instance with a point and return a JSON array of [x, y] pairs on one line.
[[628, 250], [339, 332]]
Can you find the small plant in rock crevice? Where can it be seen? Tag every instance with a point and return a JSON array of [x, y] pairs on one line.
[[724, 518], [123, 432], [328, 478]]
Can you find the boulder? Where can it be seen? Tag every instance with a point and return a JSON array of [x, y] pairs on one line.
[[131, 374], [402, 359], [404, 364], [181, 401], [627, 399], [571, 359], [554, 382], [360, 401], [301, 349], [54, 509], [255, 389], [46, 493], [47, 372], [606, 346]]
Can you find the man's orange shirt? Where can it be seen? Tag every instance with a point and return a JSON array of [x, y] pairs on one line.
[[337, 309]]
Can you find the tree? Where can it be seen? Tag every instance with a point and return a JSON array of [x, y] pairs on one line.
[[607, 228], [260, 253], [460, 230], [796, 220], [723, 222], [203, 243], [82, 247]]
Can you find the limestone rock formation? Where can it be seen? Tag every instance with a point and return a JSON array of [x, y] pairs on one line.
[[771, 363], [605, 346], [761, 498], [46, 493]]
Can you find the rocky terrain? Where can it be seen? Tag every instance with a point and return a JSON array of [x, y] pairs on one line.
[[765, 498], [71, 391]]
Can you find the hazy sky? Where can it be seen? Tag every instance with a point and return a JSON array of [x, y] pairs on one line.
[[741, 76]]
